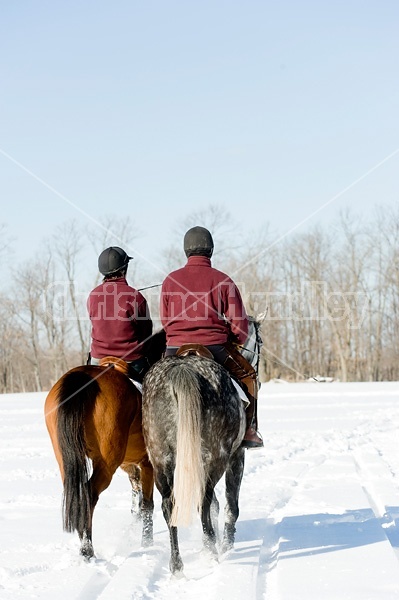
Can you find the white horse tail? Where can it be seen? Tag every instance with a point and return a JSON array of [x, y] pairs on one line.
[[189, 475]]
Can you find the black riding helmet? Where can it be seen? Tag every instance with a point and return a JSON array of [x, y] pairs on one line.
[[112, 260], [198, 242]]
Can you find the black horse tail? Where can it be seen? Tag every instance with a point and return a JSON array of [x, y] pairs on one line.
[[189, 475], [76, 397]]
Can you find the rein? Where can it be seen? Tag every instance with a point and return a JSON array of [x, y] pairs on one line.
[[246, 349]]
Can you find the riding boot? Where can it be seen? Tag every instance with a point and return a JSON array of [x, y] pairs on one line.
[[246, 378], [252, 437]]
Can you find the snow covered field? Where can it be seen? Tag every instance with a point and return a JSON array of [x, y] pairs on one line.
[[319, 510]]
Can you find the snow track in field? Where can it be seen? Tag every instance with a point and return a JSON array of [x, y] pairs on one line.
[[319, 510]]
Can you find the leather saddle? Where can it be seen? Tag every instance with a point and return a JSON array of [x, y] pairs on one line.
[[112, 362], [194, 350], [200, 350]]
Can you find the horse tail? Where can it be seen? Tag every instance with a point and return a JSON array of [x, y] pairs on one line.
[[76, 396], [189, 475]]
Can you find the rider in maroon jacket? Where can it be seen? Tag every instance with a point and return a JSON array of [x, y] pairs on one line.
[[202, 305], [119, 315]]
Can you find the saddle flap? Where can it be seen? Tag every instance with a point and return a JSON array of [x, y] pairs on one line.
[[115, 363], [194, 350], [241, 393]]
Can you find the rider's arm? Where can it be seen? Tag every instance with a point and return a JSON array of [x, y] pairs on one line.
[[143, 319], [164, 305], [235, 313]]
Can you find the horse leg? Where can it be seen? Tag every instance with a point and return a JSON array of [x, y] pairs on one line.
[[234, 475], [175, 563], [86, 544], [147, 504], [85, 529], [215, 515], [208, 531], [134, 474], [98, 482]]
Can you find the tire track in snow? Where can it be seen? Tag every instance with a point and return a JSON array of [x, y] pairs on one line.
[[382, 493], [294, 474], [130, 577], [245, 568], [127, 571], [290, 477]]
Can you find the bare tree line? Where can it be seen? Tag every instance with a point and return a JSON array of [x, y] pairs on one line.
[[331, 295], [44, 328]]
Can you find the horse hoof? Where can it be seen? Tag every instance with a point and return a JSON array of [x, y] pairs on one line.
[[176, 567], [211, 551], [136, 517], [87, 552], [227, 546], [179, 575], [147, 541]]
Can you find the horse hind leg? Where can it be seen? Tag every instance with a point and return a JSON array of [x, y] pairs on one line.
[[86, 545], [234, 475], [215, 515], [147, 504], [175, 563], [141, 478], [85, 528], [134, 474], [209, 507], [98, 482]]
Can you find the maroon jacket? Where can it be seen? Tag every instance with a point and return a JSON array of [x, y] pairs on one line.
[[120, 320], [203, 305]]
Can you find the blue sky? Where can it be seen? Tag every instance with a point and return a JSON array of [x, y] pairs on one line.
[[156, 109]]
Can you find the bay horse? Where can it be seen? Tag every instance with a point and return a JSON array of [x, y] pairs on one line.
[[193, 424], [93, 413]]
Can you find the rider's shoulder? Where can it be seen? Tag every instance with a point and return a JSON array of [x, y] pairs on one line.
[[222, 277]]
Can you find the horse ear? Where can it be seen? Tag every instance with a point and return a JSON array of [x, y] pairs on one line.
[[261, 316]]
